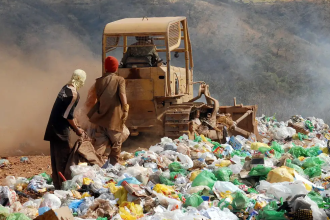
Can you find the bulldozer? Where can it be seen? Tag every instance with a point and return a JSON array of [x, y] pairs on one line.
[[160, 95]]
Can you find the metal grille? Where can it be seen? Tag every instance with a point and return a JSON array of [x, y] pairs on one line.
[[174, 34], [111, 43]]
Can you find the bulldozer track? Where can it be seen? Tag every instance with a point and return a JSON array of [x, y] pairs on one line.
[[177, 119]]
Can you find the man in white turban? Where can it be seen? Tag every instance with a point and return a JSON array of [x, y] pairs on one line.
[[60, 121]]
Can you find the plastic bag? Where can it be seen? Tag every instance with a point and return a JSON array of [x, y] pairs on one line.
[[51, 201], [223, 187], [240, 201], [194, 174], [313, 151], [294, 166], [84, 206], [193, 200], [313, 171], [131, 180], [74, 205], [316, 197], [215, 213], [166, 181], [281, 133], [165, 190], [4, 212], [318, 213], [280, 174], [259, 170], [240, 153], [284, 189], [130, 211], [17, 216], [205, 178], [140, 173], [197, 189], [176, 167], [269, 212], [257, 145], [236, 168], [47, 177], [236, 182], [277, 147], [223, 174], [312, 161], [263, 149], [297, 151]]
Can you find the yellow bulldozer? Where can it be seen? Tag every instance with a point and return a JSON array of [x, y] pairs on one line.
[[160, 95]]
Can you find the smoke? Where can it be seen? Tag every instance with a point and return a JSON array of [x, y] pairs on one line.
[[30, 82]]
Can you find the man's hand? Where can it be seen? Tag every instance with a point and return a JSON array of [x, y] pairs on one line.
[[124, 117], [125, 113], [79, 132]]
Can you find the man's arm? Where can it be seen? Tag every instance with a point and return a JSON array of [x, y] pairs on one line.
[[123, 99], [72, 102], [75, 127]]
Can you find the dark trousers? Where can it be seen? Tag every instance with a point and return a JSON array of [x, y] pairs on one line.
[[59, 153]]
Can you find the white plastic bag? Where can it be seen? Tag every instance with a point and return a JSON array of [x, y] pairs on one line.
[[197, 189], [223, 186], [62, 194], [215, 213], [318, 214], [87, 171], [283, 189], [51, 201]]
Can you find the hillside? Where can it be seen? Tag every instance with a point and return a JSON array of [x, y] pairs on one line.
[[273, 55]]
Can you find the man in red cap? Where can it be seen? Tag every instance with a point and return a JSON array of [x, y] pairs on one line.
[[110, 111]]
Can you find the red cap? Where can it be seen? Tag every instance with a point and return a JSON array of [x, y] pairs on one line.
[[111, 64]]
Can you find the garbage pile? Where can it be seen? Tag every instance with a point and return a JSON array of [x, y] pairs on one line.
[[284, 175]]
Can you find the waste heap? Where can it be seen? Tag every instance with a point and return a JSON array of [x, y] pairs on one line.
[[286, 176]]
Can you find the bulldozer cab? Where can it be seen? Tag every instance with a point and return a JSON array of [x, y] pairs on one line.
[[135, 41]]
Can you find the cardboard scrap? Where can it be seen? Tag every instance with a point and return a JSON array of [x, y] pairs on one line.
[[62, 213]]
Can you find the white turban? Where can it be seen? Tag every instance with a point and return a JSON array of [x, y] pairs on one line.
[[78, 78]]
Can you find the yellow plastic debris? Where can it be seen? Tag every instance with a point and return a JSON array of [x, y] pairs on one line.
[[325, 150], [165, 190], [280, 174], [223, 163], [85, 194], [227, 195], [194, 174], [295, 137], [301, 158], [130, 211], [203, 138], [260, 205], [308, 187], [256, 145], [121, 195], [112, 187], [87, 181], [76, 194], [289, 169], [119, 192], [83, 164]]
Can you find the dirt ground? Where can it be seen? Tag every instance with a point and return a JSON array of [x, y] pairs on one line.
[[36, 165]]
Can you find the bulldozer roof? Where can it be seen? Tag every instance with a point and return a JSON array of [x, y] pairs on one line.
[[141, 26]]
